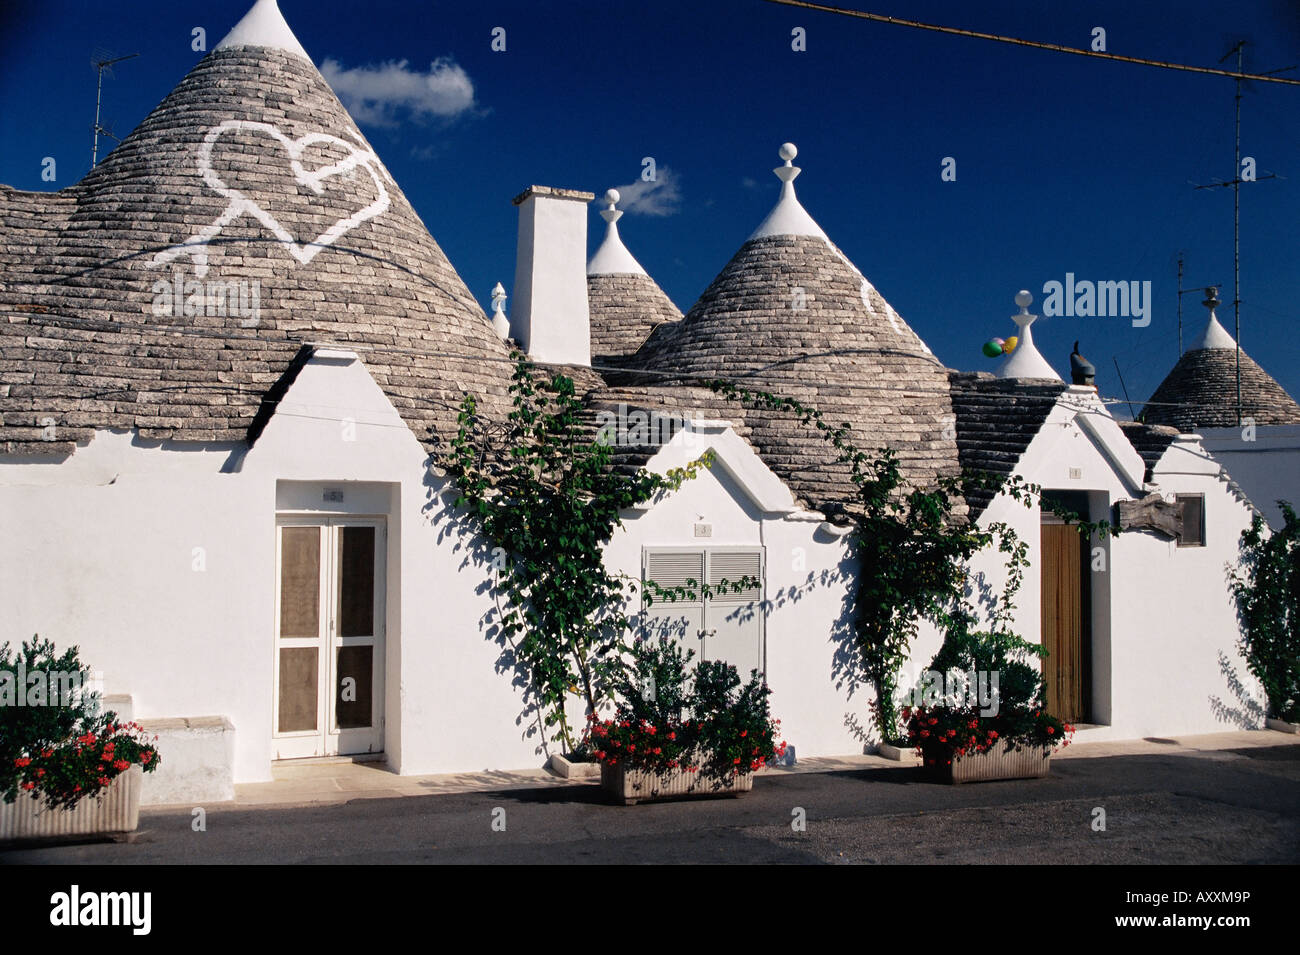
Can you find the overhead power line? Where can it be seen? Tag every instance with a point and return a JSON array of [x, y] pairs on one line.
[[1035, 44]]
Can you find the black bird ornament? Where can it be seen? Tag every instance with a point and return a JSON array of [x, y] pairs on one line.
[[1082, 371]]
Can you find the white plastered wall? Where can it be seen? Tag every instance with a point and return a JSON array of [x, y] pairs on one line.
[[1264, 460], [101, 553], [808, 641], [1163, 623]]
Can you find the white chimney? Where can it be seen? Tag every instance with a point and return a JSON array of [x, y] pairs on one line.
[[551, 318]]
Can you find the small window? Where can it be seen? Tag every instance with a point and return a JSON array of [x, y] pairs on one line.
[[1191, 507]]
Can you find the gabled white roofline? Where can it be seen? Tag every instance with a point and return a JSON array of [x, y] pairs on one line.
[[735, 456], [1095, 419]]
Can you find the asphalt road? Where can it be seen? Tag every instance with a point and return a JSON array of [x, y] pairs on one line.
[[1226, 807]]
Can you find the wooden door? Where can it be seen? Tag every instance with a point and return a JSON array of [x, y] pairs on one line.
[[1064, 621]]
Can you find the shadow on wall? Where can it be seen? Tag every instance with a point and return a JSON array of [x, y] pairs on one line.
[[1249, 713], [475, 550]]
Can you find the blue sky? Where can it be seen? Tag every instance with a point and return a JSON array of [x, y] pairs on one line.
[[1063, 164]]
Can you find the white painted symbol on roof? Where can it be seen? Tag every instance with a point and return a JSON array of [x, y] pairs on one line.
[[240, 204]]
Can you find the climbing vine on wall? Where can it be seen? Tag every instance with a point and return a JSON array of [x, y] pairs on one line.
[[912, 553], [1266, 585], [542, 490]]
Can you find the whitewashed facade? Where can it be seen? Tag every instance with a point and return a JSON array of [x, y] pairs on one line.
[[191, 570]]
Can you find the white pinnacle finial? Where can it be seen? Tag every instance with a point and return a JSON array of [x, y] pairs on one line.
[[263, 25], [500, 324], [1216, 336], [788, 217], [789, 171], [1026, 361], [610, 214], [613, 258]]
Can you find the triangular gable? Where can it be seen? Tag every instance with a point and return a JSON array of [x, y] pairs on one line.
[[733, 455], [333, 418], [1078, 411]]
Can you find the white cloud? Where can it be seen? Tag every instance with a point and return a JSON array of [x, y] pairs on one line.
[[379, 95], [662, 197]]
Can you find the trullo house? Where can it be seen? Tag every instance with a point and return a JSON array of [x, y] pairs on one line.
[[230, 355]]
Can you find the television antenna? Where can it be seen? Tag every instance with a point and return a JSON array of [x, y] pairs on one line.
[[1235, 182], [103, 61]]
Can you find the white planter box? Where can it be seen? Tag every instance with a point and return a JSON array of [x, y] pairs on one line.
[[116, 810], [901, 754], [633, 786], [1282, 726], [570, 770], [1002, 762]]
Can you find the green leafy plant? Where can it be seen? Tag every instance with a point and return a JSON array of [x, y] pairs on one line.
[[703, 721], [1014, 714], [66, 749], [1266, 586], [543, 490]]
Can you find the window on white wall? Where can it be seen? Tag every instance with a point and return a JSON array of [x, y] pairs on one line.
[[1191, 507], [716, 623]]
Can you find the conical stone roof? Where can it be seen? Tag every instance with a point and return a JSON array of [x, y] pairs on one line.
[[625, 309], [790, 314], [624, 302], [1201, 390], [249, 178]]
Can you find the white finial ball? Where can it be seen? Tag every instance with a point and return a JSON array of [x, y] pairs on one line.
[[612, 196], [1024, 299], [788, 151]]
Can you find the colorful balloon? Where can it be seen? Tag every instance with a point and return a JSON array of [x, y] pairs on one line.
[[1010, 344], [992, 348]]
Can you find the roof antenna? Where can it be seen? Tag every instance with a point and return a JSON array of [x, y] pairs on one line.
[[1235, 182], [103, 62], [1131, 414]]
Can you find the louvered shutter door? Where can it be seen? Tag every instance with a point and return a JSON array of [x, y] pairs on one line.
[[677, 568], [733, 622], [682, 619], [734, 566]]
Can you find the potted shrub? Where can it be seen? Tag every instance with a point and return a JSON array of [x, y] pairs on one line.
[[991, 722], [678, 735], [66, 767]]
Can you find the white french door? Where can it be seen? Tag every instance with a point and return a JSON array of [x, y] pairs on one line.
[[329, 646]]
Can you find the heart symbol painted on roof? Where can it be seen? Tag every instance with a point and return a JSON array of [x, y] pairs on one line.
[[240, 204]]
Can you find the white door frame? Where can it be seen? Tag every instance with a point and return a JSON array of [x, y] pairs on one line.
[[327, 738]]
